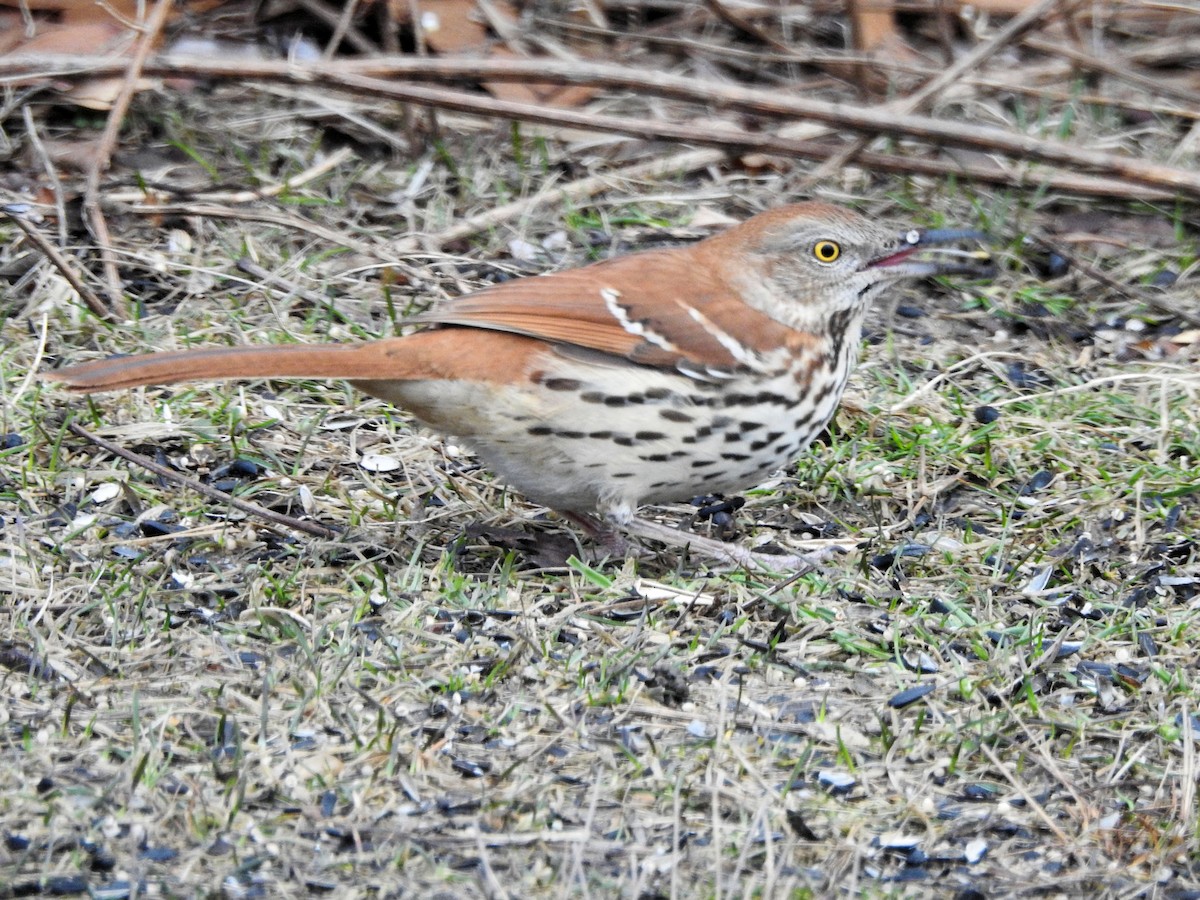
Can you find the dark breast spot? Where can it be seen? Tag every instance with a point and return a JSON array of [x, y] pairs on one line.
[[650, 436], [655, 457], [540, 430], [766, 440], [703, 463], [562, 384], [735, 457], [759, 399], [674, 415]]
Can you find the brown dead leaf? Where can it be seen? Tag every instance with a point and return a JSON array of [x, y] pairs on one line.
[[456, 27], [80, 27]]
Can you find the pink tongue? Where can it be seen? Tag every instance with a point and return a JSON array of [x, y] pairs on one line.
[[894, 258]]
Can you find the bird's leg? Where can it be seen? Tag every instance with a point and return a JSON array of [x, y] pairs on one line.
[[607, 533], [611, 542], [723, 550]]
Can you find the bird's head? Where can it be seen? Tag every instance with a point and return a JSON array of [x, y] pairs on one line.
[[802, 264]]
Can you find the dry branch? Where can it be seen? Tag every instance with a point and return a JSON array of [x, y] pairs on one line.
[[368, 76]]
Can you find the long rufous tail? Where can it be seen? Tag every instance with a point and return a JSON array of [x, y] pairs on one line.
[[353, 362], [469, 354]]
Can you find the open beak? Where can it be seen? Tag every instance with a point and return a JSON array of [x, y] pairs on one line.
[[946, 261]]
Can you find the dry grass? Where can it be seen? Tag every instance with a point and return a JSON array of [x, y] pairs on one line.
[[435, 704]]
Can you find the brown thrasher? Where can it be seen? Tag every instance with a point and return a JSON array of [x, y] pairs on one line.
[[646, 378]]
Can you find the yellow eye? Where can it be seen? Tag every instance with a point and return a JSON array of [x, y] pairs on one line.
[[827, 251]]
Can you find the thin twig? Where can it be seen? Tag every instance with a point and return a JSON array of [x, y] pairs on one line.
[[39, 149], [344, 24], [1159, 302], [505, 28], [680, 163], [1020, 788], [247, 265], [335, 236], [212, 493], [34, 364], [60, 262], [1120, 69], [104, 151], [336, 19], [312, 173], [745, 26], [1037, 739]]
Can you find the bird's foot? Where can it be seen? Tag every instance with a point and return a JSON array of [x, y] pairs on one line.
[[614, 545], [727, 552], [609, 540]]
